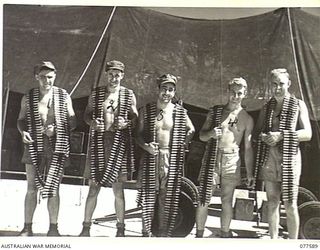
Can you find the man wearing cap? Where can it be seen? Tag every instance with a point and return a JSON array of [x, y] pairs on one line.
[[223, 130], [163, 130], [283, 123], [111, 113], [45, 120]]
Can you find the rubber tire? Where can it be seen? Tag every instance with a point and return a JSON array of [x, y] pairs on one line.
[[185, 219], [188, 187], [309, 213], [305, 195]]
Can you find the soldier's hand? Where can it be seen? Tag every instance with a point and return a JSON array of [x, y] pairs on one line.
[[26, 137], [120, 123], [216, 132], [271, 138], [153, 148], [98, 124], [250, 182], [50, 130]]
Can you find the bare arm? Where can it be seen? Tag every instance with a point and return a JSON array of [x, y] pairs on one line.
[[98, 123], [151, 147], [71, 114], [190, 130], [22, 123], [305, 133], [206, 132]]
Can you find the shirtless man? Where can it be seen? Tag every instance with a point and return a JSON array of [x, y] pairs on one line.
[[111, 113], [278, 140], [45, 119], [158, 132], [223, 130]]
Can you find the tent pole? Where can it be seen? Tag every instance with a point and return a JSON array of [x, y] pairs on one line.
[[294, 53], [95, 51], [4, 115]]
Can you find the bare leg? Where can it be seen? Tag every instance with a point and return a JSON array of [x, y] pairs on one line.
[[273, 190], [53, 208], [227, 191], [293, 219], [201, 217], [119, 202], [91, 201], [30, 202]]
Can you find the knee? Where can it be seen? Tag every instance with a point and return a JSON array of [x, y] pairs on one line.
[[226, 199], [291, 208], [32, 189], [119, 194], [118, 191], [93, 191]]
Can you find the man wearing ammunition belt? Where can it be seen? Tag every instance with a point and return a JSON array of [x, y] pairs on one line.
[[282, 124], [45, 120], [223, 130], [111, 113], [163, 130]]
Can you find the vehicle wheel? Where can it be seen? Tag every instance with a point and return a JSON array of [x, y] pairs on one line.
[[190, 189], [185, 218], [305, 195], [309, 213]]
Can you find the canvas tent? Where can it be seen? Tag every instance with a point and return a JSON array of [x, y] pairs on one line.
[[204, 54]]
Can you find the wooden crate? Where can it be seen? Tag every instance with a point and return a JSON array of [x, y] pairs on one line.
[[243, 209]]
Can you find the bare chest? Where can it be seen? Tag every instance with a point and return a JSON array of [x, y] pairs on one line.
[[164, 120], [111, 103]]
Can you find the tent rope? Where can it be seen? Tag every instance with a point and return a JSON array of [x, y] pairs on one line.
[[95, 50]]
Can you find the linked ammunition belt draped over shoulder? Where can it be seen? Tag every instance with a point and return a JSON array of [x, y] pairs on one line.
[[147, 193], [288, 147], [121, 155], [209, 159], [48, 182]]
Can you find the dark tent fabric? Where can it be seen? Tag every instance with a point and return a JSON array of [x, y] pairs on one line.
[[204, 54], [67, 36]]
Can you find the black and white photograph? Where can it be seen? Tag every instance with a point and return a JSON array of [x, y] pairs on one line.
[[141, 125]]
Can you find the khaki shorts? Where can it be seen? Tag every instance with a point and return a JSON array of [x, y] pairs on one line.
[[162, 168], [272, 168], [228, 167], [45, 156], [108, 141]]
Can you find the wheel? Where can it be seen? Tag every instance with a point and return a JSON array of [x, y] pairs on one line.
[[186, 216], [188, 187], [305, 195], [185, 219], [309, 213]]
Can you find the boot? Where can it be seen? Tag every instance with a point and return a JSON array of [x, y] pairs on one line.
[[120, 229], [199, 233], [224, 234], [27, 230], [146, 234], [85, 229], [53, 230]]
